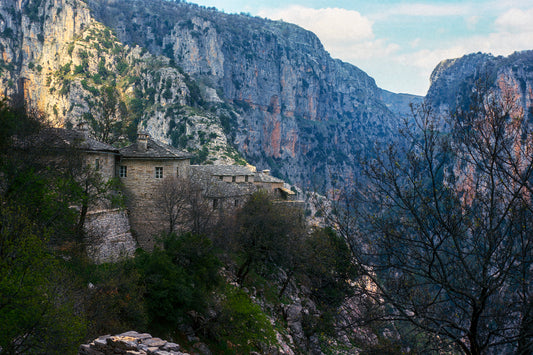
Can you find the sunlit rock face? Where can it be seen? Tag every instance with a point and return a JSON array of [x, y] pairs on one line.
[[33, 45], [267, 89]]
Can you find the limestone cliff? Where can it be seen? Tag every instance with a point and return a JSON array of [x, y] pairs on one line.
[[62, 61], [293, 109], [453, 80], [221, 86]]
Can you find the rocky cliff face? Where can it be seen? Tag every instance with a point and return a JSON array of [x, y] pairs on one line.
[[297, 111], [222, 86], [32, 43], [453, 80], [55, 55]]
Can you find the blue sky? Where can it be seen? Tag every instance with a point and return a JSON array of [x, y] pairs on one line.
[[399, 42]]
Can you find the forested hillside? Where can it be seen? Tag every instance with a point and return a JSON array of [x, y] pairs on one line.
[[255, 280]]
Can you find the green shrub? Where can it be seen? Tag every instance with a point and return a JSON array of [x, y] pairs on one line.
[[70, 49], [179, 278], [36, 300], [242, 326], [115, 301]]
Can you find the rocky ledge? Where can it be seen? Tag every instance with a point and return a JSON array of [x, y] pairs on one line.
[[131, 343]]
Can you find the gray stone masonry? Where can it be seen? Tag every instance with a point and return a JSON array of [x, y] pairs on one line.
[[140, 187], [109, 236]]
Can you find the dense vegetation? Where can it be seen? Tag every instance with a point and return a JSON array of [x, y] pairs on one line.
[[52, 298], [439, 256]]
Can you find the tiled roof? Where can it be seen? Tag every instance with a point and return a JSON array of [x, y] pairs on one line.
[[262, 177], [221, 189], [223, 170], [154, 150], [59, 138]]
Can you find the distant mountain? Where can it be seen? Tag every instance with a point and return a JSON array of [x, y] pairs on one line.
[[222, 86], [400, 104], [453, 80]]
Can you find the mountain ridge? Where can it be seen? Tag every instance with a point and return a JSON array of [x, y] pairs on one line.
[[259, 89], [453, 80]]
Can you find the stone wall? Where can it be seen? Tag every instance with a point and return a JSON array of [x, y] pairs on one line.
[[104, 163], [140, 186], [108, 235]]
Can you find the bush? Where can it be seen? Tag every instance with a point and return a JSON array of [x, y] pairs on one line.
[[36, 308], [115, 301], [179, 278], [241, 326]]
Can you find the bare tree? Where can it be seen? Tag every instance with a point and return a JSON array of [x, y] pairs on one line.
[[442, 229], [172, 202], [183, 206]]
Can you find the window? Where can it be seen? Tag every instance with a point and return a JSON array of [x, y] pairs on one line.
[[236, 202], [97, 164], [233, 178], [177, 172], [246, 178], [158, 172], [215, 203], [123, 171]]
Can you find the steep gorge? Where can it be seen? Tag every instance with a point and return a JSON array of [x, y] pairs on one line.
[[200, 79], [304, 115]]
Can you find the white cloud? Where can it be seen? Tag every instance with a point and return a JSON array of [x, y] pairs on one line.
[[472, 21], [344, 33], [331, 23], [415, 43], [498, 43], [503, 42], [516, 21]]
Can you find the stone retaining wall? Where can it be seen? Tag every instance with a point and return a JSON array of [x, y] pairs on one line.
[[108, 235]]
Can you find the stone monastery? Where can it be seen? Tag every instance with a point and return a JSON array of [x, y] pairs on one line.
[[143, 169]]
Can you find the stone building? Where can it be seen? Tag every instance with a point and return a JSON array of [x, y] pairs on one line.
[[107, 229], [56, 143], [273, 185], [229, 186], [227, 173], [226, 186], [142, 167]]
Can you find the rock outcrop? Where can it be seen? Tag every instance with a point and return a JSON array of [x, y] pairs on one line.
[[132, 343], [56, 56], [453, 80], [307, 117]]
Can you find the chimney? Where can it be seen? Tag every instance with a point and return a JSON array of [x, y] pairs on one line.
[[266, 172], [142, 141], [83, 128]]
